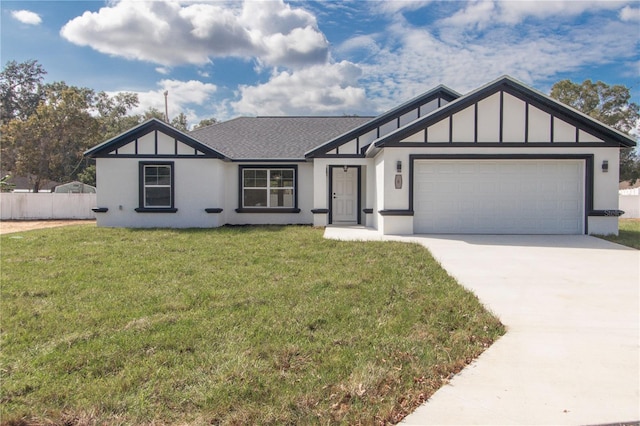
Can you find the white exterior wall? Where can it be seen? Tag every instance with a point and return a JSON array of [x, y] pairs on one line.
[[321, 186], [489, 119], [605, 185], [605, 191], [371, 197], [321, 190], [514, 111], [199, 184], [378, 220], [463, 125], [395, 199], [305, 197]]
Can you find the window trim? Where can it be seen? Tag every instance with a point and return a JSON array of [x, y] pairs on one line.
[[142, 208], [242, 209]]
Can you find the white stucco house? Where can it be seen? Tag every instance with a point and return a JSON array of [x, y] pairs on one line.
[[502, 159]]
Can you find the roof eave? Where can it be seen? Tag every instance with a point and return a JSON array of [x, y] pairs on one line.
[[152, 122], [618, 136], [380, 119], [268, 160], [416, 125]]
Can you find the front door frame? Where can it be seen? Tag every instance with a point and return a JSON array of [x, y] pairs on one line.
[[358, 191]]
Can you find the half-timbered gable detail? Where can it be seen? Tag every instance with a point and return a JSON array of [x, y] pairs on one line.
[[504, 113], [153, 138], [355, 142]]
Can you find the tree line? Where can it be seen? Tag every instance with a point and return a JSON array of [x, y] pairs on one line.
[[611, 106], [46, 127]]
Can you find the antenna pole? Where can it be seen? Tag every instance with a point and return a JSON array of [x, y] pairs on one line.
[[166, 106]]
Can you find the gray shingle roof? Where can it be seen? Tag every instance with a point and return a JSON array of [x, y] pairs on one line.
[[273, 138]]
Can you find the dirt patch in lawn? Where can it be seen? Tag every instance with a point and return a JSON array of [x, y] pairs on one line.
[[11, 226]]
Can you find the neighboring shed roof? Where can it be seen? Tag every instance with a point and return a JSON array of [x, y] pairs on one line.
[[75, 187], [273, 138]]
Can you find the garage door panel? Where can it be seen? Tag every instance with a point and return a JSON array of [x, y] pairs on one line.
[[499, 196]]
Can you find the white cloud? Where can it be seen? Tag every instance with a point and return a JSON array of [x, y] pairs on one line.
[[395, 6], [26, 17], [184, 96], [272, 17], [630, 69], [516, 11], [169, 33], [365, 44], [394, 63], [483, 12], [163, 70], [468, 59], [478, 13], [630, 13], [298, 48], [318, 90]]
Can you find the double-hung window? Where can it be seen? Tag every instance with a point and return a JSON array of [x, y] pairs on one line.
[[265, 188], [156, 187]]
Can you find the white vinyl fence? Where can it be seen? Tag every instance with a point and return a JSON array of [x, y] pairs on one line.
[[630, 191], [33, 206], [630, 204]]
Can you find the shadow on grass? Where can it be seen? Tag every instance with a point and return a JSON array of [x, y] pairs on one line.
[[628, 234]]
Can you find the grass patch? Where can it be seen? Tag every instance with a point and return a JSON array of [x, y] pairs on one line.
[[628, 233], [236, 325]]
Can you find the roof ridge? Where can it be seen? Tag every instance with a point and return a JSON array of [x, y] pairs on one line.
[[274, 137], [313, 116], [383, 118]]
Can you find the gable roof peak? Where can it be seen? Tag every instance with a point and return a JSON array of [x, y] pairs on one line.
[[440, 91], [515, 87], [143, 128]]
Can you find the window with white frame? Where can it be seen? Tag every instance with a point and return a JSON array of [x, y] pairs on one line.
[[266, 188], [156, 185]]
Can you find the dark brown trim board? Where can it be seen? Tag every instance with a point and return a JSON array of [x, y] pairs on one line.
[[141, 207], [358, 195], [242, 209], [587, 158]]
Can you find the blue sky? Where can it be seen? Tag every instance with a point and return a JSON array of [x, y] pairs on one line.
[[228, 58]]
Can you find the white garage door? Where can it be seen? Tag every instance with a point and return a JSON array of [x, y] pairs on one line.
[[499, 196]]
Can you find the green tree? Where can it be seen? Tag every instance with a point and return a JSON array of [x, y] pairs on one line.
[[20, 89], [46, 127], [153, 113], [206, 122], [180, 122], [610, 105], [49, 144], [88, 175], [113, 113], [5, 185]]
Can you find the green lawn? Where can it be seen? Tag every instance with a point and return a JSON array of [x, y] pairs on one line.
[[628, 234], [237, 325]]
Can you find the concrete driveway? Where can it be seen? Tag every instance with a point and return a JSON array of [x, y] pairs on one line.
[[571, 354]]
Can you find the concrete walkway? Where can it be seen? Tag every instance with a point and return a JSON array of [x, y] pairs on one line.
[[571, 305]]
